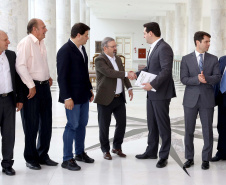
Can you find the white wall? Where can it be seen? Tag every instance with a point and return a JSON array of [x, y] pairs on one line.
[[101, 28]]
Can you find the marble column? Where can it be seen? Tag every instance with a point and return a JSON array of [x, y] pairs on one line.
[[162, 24], [218, 28], [14, 18], [46, 11], [75, 12], [170, 17], [180, 30], [63, 22], [88, 42], [194, 21], [82, 11]]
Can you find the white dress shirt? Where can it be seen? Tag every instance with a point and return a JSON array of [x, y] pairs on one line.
[[31, 62], [6, 80], [198, 57]]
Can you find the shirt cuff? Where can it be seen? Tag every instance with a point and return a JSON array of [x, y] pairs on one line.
[[30, 85], [126, 74], [67, 99], [130, 89]]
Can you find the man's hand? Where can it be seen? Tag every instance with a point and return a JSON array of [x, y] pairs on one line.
[[130, 94], [69, 104], [91, 99], [32, 93], [201, 78], [50, 81], [147, 86], [19, 106], [132, 75]]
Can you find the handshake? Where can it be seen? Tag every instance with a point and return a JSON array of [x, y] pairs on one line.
[[132, 75]]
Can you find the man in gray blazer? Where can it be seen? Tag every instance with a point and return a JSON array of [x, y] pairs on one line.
[[199, 72], [110, 96], [159, 62]]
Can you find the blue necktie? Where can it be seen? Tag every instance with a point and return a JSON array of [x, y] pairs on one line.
[[223, 83], [201, 62]]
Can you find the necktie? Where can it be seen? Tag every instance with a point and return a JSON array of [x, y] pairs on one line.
[[148, 56], [223, 83], [201, 62]]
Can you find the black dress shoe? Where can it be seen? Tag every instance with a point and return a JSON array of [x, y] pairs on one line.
[[49, 162], [33, 166], [188, 163], [145, 156], [161, 163], [84, 157], [70, 165], [9, 171], [215, 158], [205, 165]]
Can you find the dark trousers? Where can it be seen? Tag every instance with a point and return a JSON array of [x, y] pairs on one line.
[[206, 117], [117, 107], [36, 116], [7, 126], [158, 125], [221, 127]]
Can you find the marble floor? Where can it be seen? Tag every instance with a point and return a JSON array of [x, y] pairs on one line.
[[128, 171]]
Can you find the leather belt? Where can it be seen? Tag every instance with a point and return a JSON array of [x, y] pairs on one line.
[[117, 95], [5, 94], [41, 82]]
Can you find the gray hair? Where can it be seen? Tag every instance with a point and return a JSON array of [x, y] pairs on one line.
[[104, 43]]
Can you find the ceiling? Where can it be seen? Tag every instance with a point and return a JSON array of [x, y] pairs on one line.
[[133, 9]]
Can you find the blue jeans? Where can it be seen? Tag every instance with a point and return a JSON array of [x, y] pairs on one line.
[[75, 129]]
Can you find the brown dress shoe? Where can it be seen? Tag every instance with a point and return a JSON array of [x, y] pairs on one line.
[[107, 156], [118, 152]]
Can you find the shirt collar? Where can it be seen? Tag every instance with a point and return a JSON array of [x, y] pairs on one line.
[[154, 43], [197, 53], [3, 54], [35, 40], [110, 58], [80, 47]]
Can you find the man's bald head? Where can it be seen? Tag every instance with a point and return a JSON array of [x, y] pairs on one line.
[[4, 41]]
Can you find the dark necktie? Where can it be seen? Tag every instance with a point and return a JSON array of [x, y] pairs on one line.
[[201, 62]]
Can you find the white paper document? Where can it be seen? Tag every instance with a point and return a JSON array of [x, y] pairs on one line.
[[145, 77]]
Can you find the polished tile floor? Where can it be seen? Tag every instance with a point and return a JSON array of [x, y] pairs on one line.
[[128, 171]]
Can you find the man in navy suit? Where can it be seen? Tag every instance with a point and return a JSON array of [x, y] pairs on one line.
[[75, 93], [220, 95]]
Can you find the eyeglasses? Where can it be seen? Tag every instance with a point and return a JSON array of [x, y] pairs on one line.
[[112, 46]]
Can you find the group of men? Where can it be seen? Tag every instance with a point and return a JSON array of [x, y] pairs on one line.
[[26, 85]]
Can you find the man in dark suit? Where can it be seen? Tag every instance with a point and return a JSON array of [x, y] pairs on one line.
[[159, 62], [199, 72], [220, 95], [110, 97], [11, 97], [75, 93]]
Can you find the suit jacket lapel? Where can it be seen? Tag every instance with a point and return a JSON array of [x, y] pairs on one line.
[[107, 60], [75, 49], [195, 62], [153, 51], [85, 55], [11, 65], [206, 61]]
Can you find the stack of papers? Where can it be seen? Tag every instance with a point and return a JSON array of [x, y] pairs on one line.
[[145, 77]]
